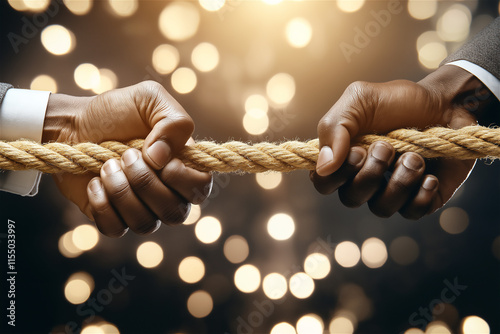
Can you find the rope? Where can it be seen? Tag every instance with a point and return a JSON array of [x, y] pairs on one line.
[[471, 142]]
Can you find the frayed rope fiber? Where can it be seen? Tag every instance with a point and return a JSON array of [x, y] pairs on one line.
[[472, 142]]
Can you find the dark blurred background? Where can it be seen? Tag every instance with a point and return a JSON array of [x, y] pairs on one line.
[[252, 71]]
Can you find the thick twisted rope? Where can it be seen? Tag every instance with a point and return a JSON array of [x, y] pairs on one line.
[[471, 142]]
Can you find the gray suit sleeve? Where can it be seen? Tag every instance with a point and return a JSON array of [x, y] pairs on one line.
[[3, 90], [482, 50]]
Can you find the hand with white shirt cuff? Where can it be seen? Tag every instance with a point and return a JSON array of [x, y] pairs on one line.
[[144, 188], [450, 96]]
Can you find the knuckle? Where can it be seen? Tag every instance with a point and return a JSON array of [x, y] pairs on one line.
[[142, 181], [325, 124], [119, 192]]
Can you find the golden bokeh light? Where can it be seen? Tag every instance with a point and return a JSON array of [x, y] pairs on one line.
[[78, 7], [422, 9], [194, 215], [437, 327], [108, 328], [310, 324], [18, 5], [298, 32], [107, 81], [78, 287], [208, 229], [67, 247], [283, 328], [341, 325], [281, 88], [426, 38], [149, 254], [272, 2], [87, 76], [268, 180], [212, 5], [256, 105], [317, 265], [85, 237], [184, 80], [179, 21], [301, 285], [347, 254], [350, 6], [280, 226], [414, 331], [373, 253], [431, 54], [165, 58], [454, 220], [36, 5], [205, 57], [200, 304], [124, 8], [454, 24], [236, 249], [274, 285], [44, 82], [255, 125], [404, 250], [93, 329], [58, 40], [475, 325], [247, 278], [191, 269]]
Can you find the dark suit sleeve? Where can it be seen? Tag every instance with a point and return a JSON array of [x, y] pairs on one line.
[[482, 50]]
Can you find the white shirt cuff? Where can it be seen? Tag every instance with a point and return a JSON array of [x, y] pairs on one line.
[[488, 79], [22, 114]]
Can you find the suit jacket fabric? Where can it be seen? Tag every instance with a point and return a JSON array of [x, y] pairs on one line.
[[482, 50], [3, 90]]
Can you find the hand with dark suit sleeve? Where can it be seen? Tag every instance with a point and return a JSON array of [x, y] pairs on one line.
[[454, 95]]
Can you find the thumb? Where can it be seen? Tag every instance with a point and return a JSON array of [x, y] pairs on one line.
[[341, 124], [170, 123]]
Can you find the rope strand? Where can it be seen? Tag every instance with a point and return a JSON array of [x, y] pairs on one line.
[[471, 142]]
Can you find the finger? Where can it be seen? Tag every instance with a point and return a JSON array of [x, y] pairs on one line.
[[328, 184], [169, 207], [171, 125], [105, 216], [122, 197], [421, 204], [371, 176], [341, 124], [404, 181], [193, 185]]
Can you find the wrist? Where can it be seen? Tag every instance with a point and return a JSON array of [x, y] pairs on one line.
[[453, 86], [61, 116]]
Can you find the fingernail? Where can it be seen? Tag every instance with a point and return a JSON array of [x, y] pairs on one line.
[[325, 158], [354, 157], [381, 152], [159, 152], [111, 166], [130, 156], [95, 186], [430, 183], [412, 163]]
